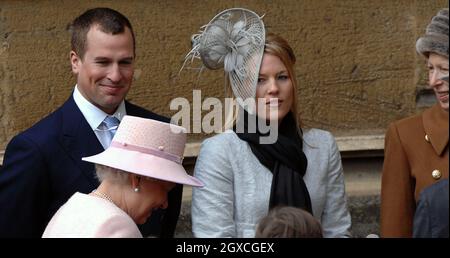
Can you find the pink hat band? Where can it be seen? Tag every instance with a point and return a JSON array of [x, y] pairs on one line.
[[147, 150]]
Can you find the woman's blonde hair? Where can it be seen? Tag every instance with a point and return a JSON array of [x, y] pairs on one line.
[[277, 46]]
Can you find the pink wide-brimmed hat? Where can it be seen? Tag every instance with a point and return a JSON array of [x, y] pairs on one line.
[[149, 148]]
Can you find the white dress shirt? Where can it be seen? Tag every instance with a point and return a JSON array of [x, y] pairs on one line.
[[95, 116]]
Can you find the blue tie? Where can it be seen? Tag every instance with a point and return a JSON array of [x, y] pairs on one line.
[[110, 124]]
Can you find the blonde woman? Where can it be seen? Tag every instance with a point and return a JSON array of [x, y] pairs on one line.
[[245, 178]]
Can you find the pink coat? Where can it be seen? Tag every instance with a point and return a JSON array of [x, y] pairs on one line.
[[90, 216]]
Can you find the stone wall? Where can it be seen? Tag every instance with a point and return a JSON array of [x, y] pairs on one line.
[[357, 67]]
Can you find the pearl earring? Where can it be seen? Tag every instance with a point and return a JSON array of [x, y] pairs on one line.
[[136, 190]]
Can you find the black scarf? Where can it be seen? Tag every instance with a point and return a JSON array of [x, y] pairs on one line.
[[285, 159]]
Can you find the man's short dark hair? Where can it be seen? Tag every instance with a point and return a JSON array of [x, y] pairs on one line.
[[108, 20]]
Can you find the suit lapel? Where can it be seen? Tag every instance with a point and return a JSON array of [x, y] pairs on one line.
[[140, 112], [79, 140], [435, 122]]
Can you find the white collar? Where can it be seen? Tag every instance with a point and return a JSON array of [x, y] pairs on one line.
[[95, 116]]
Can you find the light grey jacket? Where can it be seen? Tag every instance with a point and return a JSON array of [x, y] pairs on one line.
[[237, 187]]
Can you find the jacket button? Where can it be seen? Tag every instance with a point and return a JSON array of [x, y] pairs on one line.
[[436, 174], [427, 138]]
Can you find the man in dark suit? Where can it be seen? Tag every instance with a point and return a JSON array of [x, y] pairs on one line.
[[431, 217], [42, 166]]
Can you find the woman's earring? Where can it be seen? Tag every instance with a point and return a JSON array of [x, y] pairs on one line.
[[136, 190]]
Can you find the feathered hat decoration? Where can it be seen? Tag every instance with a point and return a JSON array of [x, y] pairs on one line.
[[233, 40]]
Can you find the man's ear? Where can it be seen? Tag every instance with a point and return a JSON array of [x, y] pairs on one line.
[[75, 62]]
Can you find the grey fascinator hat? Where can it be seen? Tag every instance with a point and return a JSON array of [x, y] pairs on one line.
[[436, 36], [233, 40]]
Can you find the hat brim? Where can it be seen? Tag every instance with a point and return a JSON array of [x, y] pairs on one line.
[[432, 44], [144, 164]]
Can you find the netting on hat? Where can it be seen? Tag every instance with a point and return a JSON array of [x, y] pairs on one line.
[[233, 40]]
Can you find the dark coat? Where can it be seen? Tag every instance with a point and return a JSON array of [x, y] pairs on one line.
[[414, 148], [431, 218], [42, 169]]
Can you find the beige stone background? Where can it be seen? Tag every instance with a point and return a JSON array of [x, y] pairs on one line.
[[357, 67]]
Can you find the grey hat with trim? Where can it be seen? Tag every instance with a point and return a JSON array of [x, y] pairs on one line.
[[436, 36]]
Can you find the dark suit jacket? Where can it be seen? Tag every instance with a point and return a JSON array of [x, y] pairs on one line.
[[42, 168], [431, 218]]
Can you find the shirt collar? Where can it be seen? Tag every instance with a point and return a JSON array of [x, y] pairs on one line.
[[95, 116]]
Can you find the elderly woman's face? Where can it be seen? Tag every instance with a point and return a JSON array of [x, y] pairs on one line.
[[274, 91], [437, 69], [153, 195]]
